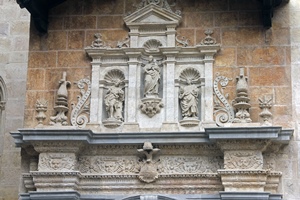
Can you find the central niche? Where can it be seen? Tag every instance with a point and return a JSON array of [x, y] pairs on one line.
[[164, 86]]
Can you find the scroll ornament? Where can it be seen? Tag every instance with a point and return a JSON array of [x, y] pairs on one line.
[[80, 111], [223, 111]]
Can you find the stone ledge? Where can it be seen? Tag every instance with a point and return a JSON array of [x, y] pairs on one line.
[[26, 136]]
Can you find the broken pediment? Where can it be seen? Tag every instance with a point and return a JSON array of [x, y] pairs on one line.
[[152, 14]]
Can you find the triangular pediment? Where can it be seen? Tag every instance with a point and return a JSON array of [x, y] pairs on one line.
[[152, 14]]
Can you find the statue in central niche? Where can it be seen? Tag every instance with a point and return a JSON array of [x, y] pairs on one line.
[[152, 78]]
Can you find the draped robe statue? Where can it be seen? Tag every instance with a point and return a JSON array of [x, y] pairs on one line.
[[188, 96], [152, 77]]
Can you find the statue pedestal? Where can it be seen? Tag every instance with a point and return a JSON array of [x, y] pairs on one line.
[[189, 122], [151, 106], [112, 123]]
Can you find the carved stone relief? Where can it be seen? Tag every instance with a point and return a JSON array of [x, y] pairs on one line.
[[208, 40], [243, 160], [41, 107], [265, 104], [56, 162], [166, 165], [61, 106], [80, 111], [223, 111], [241, 102]]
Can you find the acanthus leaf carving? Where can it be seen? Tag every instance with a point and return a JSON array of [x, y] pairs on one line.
[[80, 111]]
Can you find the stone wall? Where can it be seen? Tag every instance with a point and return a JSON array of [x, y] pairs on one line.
[[14, 39], [291, 158]]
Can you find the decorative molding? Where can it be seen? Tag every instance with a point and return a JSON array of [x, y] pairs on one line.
[[80, 111], [161, 3], [223, 111], [61, 106]]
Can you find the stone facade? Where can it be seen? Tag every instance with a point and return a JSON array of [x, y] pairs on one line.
[[14, 42], [220, 41]]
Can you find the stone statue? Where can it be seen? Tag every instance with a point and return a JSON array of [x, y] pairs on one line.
[[188, 96], [152, 77], [114, 101]]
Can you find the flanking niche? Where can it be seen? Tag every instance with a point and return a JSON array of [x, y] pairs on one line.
[[189, 96], [114, 97]]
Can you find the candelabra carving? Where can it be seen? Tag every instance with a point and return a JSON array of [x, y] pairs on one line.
[[61, 106], [41, 107], [241, 102]]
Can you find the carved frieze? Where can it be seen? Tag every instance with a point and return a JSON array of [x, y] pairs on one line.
[[108, 165], [189, 164], [166, 165]]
